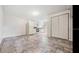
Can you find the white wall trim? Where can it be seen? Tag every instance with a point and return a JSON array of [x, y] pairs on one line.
[[59, 13]]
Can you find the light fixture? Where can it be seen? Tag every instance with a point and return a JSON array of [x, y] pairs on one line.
[[35, 13]]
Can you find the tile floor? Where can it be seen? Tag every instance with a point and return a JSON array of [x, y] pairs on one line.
[[38, 43]]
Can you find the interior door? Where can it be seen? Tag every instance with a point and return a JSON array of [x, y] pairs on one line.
[[55, 26], [63, 26], [60, 26]]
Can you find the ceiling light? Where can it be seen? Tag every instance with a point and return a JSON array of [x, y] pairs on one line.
[[35, 13]]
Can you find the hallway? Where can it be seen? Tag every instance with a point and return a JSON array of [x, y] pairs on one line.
[[38, 43], [36, 29]]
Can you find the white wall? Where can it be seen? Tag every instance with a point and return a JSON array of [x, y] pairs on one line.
[[1, 18], [32, 24], [14, 26]]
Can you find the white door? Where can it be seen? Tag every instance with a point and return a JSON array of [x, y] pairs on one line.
[[55, 26], [60, 26], [63, 26]]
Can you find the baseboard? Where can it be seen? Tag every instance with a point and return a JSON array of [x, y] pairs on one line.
[[59, 38], [14, 36]]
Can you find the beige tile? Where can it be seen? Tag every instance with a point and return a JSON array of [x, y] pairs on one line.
[[38, 43]]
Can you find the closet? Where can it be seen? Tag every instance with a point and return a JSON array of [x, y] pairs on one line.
[[60, 25]]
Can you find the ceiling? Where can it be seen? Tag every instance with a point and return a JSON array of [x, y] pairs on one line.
[[26, 10]]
